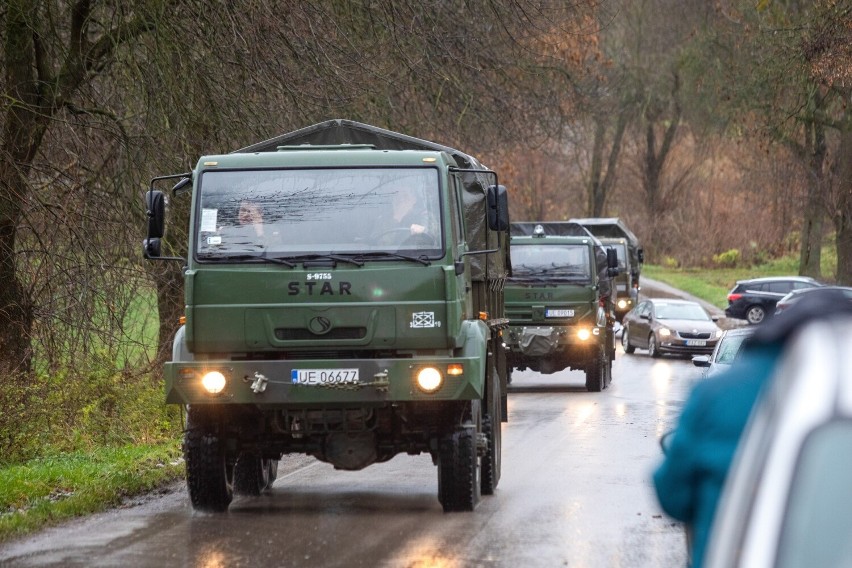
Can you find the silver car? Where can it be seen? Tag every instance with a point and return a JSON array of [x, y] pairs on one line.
[[787, 498], [725, 353]]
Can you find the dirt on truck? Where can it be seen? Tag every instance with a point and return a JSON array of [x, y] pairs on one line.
[[344, 300], [560, 301]]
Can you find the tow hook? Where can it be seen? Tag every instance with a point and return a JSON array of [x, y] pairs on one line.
[[259, 383]]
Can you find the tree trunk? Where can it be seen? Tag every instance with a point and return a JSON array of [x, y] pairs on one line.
[[814, 213], [842, 214]]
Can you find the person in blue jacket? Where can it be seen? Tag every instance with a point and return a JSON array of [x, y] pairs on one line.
[[699, 451]]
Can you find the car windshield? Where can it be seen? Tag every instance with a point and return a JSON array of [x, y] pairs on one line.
[[272, 213], [729, 348], [559, 261], [680, 312], [818, 521]]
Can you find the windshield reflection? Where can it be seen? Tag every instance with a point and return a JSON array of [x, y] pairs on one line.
[[269, 214]]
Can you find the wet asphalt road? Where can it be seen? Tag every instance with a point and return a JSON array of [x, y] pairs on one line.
[[575, 492]]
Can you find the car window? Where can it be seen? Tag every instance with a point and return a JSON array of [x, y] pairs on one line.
[[780, 287], [801, 285], [729, 348], [818, 520], [680, 311], [759, 287]]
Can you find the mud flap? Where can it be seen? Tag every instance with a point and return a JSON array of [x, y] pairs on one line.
[[538, 342]]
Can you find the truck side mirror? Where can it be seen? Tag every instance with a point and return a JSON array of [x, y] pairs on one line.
[[498, 208], [641, 254], [611, 258], [155, 202], [151, 248]]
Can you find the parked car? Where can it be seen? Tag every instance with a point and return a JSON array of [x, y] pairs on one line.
[[726, 351], [843, 294], [663, 325], [753, 300], [786, 499]]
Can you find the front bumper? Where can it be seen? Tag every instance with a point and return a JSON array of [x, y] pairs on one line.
[[680, 346], [561, 339], [270, 382]]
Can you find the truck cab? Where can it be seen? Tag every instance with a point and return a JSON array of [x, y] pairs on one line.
[[343, 300], [558, 300]]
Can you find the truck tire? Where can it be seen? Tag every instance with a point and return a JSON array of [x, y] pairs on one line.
[[596, 372], [209, 476], [491, 426], [253, 475], [458, 469]]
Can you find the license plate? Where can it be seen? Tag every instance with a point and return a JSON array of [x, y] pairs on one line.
[[696, 342], [559, 313], [324, 376]]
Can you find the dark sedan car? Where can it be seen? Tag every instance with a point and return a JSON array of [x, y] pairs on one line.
[[662, 325], [841, 293], [753, 300]]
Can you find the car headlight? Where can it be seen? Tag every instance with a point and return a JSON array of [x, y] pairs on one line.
[[719, 333], [429, 379], [665, 332], [213, 382]]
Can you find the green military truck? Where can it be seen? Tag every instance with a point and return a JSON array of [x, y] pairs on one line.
[[343, 289], [558, 300], [614, 233]]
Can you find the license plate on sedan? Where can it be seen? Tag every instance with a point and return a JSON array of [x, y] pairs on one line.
[[559, 313], [696, 343], [324, 376]]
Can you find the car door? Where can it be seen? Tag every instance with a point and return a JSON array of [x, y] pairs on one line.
[[641, 326]]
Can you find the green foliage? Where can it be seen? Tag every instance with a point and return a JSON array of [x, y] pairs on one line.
[[728, 259], [57, 486], [670, 262]]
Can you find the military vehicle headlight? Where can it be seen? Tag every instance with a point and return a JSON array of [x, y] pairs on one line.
[[622, 304], [665, 332], [213, 382], [584, 334], [429, 379]]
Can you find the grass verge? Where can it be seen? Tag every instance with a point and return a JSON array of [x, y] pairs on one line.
[[48, 489]]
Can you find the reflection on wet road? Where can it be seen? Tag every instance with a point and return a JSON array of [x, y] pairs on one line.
[[575, 491]]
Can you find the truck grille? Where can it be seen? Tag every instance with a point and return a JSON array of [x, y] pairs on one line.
[[302, 334]]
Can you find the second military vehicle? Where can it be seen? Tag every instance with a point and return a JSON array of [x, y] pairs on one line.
[[559, 301], [344, 300], [614, 233]]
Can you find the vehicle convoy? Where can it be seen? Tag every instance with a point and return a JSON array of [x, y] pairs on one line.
[[614, 233], [344, 300], [558, 302]]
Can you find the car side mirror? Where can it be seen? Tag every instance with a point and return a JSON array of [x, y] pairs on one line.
[[498, 208], [701, 360], [644, 316], [715, 318]]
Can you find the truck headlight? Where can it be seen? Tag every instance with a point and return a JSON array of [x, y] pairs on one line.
[[584, 334], [429, 379], [213, 382], [622, 303]]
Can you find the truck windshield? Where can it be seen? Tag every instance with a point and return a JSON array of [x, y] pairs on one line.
[[265, 214], [552, 261]]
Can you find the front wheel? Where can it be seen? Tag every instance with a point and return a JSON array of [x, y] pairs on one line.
[[755, 315], [491, 426], [625, 341], [596, 372], [209, 471], [653, 350]]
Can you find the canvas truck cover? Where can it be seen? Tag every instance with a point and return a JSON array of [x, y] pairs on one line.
[[612, 228], [340, 131]]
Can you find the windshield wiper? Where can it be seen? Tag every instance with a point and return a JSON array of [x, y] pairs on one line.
[[262, 257], [314, 256], [375, 255]]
